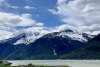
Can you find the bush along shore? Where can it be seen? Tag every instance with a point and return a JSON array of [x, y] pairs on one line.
[[7, 64]]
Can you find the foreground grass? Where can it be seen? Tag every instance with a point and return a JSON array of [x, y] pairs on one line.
[[29, 65]]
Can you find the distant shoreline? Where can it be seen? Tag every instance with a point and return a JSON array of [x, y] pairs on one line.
[[72, 63]]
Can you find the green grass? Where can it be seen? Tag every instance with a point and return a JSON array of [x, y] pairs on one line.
[[2, 65]]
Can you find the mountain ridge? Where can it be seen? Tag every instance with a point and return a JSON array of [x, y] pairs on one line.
[[49, 46]]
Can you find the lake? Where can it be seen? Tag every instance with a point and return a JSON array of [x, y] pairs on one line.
[[71, 63]]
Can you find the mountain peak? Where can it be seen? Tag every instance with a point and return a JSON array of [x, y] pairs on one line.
[[67, 30]]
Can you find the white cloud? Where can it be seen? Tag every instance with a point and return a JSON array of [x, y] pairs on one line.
[[5, 34], [13, 7], [10, 22], [82, 14], [27, 15], [53, 11], [29, 7], [4, 3], [15, 20], [61, 1], [65, 26]]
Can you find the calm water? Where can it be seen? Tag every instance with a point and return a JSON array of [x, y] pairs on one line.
[[71, 63]]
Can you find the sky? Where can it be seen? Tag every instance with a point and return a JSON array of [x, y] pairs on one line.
[[49, 15], [38, 9]]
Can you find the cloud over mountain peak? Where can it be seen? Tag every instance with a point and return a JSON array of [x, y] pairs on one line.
[[81, 14], [10, 23]]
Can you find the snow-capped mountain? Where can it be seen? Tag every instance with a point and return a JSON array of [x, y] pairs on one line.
[[41, 44], [91, 50], [61, 42], [31, 35]]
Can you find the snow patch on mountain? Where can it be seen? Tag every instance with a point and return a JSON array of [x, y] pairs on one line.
[[32, 34], [74, 36]]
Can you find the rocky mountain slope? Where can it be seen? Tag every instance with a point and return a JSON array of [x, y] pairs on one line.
[[91, 50]]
